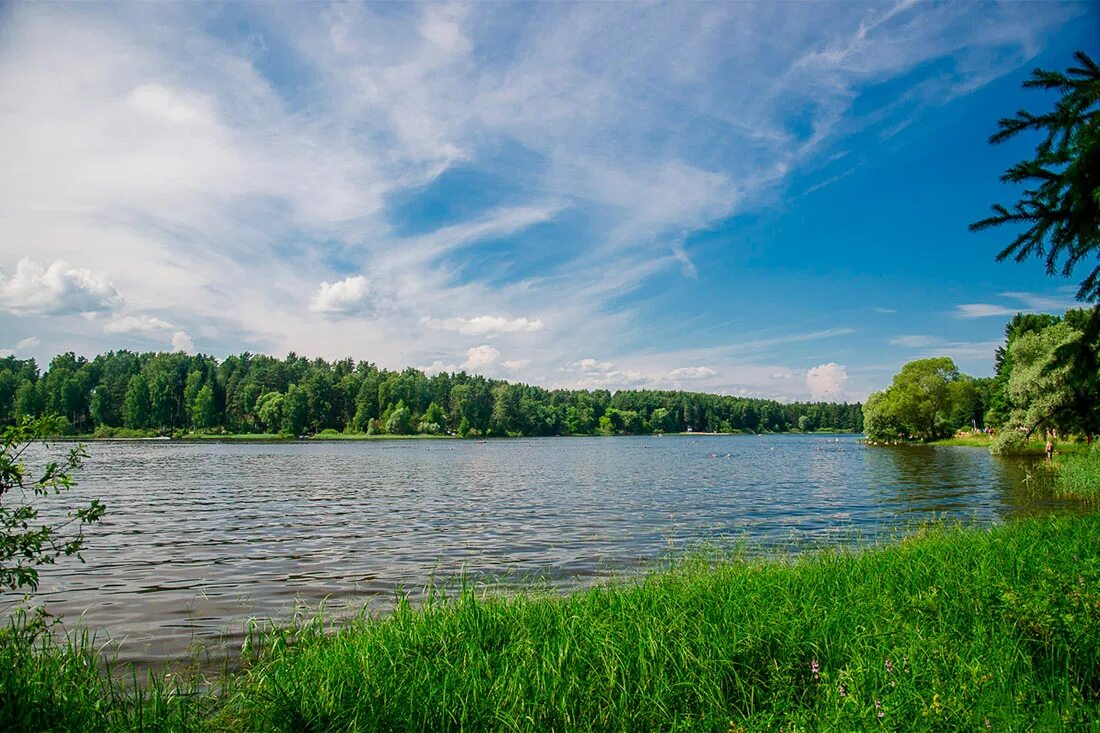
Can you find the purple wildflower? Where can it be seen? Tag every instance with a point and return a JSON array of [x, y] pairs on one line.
[[816, 669], [878, 707], [843, 691], [889, 667]]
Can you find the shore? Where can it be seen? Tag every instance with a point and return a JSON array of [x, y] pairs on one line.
[[137, 436], [950, 629], [1035, 447]]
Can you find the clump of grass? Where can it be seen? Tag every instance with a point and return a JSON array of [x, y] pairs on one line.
[[67, 684], [1078, 476], [951, 629], [942, 632]]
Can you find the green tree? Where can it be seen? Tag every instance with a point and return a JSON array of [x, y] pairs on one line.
[[919, 403], [26, 543], [269, 411], [137, 408], [398, 422], [1039, 386], [28, 400], [203, 411], [434, 421], [1060, 208], [295, 410]]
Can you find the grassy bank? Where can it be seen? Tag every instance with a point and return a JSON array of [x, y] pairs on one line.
[[1035, 447], [944, 631]]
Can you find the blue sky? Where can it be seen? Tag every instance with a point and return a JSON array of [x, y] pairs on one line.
[[767, 200]]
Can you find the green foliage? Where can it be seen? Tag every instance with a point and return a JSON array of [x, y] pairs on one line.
[[927, 400], [1060, 209], [25, 542], [399, 420], [269, 411], [1048, 374]]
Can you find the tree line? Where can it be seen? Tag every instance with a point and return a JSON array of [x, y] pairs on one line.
[[163, 393]]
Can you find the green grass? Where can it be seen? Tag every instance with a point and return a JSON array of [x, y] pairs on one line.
[[998, 625], [1078, 476], [1033, 448]]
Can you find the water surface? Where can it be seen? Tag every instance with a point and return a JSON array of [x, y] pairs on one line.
[[199, 537]]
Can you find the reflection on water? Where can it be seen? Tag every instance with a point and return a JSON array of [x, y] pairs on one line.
[[199, 537]]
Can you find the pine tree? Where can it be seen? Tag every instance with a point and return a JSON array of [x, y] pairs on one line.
[[1061, 207]]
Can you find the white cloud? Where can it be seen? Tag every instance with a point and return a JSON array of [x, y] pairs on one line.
[[182, 342], [28, 343], [884, 310], [348, 296], [56, 290], [140, 323], [826, 382], [480, 358], [593, 374], [915, 341], [488, 326], [5, 353], [515, 363], [983, 310], [687, 373]]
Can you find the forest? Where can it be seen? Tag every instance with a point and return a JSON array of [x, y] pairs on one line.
[[122, 393]]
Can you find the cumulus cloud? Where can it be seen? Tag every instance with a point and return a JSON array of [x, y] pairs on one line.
[[480, 357], [343, 297], [593, 374], [515, 363], [28, 343], [59, 289], [686, 373], [140, 324], [182, 342], [488, 326], [826, 381]]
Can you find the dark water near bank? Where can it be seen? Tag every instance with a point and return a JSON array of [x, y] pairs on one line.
[[200, 537]]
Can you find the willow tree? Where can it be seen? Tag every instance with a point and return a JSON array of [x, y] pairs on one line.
[[1060, 206]]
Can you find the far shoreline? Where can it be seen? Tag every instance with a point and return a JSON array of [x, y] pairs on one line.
[[354, 437]]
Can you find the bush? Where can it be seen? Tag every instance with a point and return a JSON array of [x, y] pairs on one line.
[[26, 543], [1008, 442]]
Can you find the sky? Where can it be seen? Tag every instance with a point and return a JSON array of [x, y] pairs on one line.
[[757, 199]]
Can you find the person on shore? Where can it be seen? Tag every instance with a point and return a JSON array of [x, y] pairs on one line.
[[1050, 449]]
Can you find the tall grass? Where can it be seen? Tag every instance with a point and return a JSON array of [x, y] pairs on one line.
[[1078, 476], [940, 632], [952, 629]]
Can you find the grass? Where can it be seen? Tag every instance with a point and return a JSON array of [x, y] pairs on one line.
[[1078, 476], [952, 629], [1035, 447]]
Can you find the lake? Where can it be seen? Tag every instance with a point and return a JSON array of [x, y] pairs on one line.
[[200, 537]]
